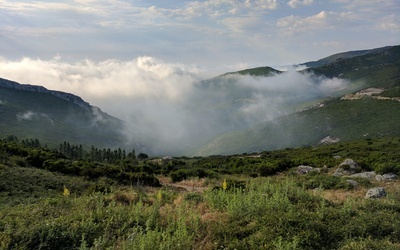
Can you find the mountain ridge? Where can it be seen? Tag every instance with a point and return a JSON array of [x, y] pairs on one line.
[[31, 111], [40, 89], [342, 55]]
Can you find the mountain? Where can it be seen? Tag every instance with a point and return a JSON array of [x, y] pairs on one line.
[[343, 55], [373, 110], [30, 111], [259, 71]]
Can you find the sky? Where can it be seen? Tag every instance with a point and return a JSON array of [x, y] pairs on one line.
[[213, 34], [142, 61]]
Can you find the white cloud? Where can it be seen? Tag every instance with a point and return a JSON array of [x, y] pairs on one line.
[[322, 20], [241, 24], [30, 116], [368, 5], [390, 23], [214, 33], [263, 4], [296, 3], [143, 76]]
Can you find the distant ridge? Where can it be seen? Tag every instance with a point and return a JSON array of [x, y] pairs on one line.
[[40, 89], [259, 71], [343, 55]]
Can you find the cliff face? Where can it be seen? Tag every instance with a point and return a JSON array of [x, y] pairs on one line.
[[40, 89]]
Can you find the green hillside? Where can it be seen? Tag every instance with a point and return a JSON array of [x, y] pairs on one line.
[[48, 201], [343, 55], [343, 119], [379, 68], [259, 71], [30, 114]]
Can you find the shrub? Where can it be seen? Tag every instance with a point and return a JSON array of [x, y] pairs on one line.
[[180, 175], [384, 168], [194, 197], [324, 181]]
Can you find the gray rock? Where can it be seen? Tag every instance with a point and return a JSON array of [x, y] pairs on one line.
[[385, 177], [302, 169], [338, 173], [347, 167], [377, 192], [348, 162], [367, 175], [352, 183]]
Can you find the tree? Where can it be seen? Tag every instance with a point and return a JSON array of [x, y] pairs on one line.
[[142, 156]]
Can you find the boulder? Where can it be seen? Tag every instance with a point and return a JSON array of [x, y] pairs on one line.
[[386, 177], [338, 173], [377, 192], [302, 169], [352, 183], [367, 175], [348, 166], [348, 162]]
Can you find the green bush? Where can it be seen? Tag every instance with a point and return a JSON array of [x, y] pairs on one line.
[[180, 175], [194, 197], [324, 181]]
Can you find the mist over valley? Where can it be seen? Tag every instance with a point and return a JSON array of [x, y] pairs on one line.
[[174, 109]]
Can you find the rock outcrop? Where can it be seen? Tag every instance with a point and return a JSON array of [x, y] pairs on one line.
[[302, 169], [40, 89], [347, 167], [366, 175], [377, 192], [385, 177]]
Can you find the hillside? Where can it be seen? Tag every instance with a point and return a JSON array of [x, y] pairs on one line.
[[287, 199], [259, 71], [380, 68], [53, 117], [343, 55], [345, 119]]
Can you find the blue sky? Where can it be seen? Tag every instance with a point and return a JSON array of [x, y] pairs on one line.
[[207, 33]]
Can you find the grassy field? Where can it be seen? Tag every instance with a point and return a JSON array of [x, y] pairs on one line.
[[255, 201]]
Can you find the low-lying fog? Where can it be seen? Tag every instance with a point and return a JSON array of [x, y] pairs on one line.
[[173, 108]]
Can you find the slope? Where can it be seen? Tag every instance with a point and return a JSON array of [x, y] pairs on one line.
[[34, 112], [337, 118], [343, 55]]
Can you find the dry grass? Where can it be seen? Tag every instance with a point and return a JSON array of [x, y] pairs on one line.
[[189, 185], [339, 196], [123, 197]]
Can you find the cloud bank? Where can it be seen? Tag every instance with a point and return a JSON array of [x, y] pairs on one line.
[[216, 32], [170, 107]]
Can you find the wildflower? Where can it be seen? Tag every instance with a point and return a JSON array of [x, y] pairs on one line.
[[66, 191], [159, 195], [224, 185]]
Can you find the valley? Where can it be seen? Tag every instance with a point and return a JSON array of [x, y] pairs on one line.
[[256, 159], [256, 107]]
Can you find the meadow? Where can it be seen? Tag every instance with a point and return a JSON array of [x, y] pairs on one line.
[[249, 201]]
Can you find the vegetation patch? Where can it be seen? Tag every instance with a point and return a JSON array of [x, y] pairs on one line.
[[50, 201]]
